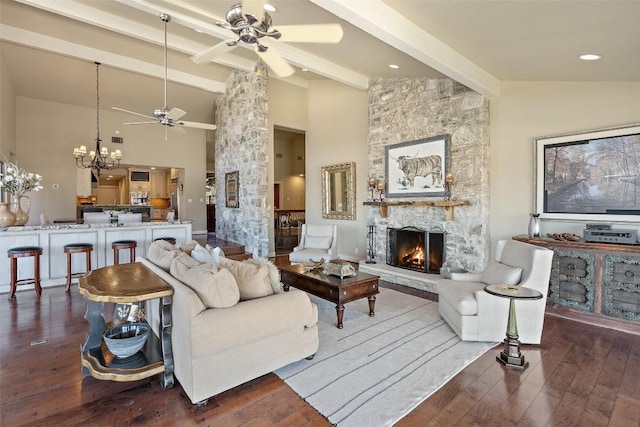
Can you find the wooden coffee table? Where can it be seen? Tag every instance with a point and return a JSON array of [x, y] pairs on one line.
[[330, 288]]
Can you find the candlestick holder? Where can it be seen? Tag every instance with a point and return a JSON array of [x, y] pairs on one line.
[[448, 184], [380, 190], [372, 185]]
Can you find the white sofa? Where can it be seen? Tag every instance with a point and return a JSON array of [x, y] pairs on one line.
[[216, 349], [317, 241], [476, 315]]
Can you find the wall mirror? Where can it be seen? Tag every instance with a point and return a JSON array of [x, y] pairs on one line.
[[339, 191]]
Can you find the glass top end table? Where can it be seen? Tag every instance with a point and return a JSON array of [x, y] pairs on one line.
[[511, 356]]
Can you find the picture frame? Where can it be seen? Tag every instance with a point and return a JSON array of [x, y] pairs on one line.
[[589, 176], [417, 168], [232, 189]]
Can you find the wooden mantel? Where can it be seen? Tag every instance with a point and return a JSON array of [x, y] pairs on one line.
[[448, 205]]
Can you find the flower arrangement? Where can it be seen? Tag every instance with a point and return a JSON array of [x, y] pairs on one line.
[[18, 181]]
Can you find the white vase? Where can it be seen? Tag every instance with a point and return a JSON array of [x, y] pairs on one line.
[[534, 225]]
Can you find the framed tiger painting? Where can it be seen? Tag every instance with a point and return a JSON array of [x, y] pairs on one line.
[[417, 168]]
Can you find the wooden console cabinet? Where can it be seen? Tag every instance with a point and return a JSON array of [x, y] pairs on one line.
[[601, 279]]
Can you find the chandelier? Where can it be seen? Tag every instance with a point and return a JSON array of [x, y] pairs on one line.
[[100, 158]]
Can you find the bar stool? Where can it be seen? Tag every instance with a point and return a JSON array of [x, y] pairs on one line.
[[74, 248], [21, 252], [123, 244], [171, 240]]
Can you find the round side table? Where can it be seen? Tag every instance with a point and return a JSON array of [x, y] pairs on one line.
[[511, 356]]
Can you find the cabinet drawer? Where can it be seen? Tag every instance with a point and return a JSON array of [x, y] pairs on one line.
[[571, 291], [625, 301], [571, 266], [626, 273]]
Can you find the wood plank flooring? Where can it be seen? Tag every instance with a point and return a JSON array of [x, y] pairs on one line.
[[580, 375]]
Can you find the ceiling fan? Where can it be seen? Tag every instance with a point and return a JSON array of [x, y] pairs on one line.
[[250, 23], [165, 116]]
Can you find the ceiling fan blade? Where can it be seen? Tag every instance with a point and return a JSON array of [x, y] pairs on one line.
[[254, 8], [142, 123], [276, 62], [197, 125], [214, 51], [176, 113], [317, 33], [132, 112]]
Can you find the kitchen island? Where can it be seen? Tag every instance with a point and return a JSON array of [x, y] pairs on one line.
[[52, 238]]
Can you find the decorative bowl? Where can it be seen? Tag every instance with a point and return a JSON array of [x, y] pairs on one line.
[[126, 340]]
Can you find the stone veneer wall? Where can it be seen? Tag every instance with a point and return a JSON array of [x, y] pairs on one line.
[[407, 109], [241, 144]]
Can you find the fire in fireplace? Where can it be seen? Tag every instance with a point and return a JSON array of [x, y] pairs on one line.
[[416, 249]]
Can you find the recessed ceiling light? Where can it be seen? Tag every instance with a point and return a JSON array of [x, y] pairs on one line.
[[394, 66], [590, 57], [269, 8], [304, 69]]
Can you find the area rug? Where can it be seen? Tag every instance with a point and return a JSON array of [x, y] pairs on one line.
[[375, 370]]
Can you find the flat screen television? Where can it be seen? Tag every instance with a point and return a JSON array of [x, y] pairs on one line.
[[591, 176]]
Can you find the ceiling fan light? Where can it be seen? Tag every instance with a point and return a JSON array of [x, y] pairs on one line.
[[270, 8]]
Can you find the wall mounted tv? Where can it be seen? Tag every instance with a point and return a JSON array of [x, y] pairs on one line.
[[590, 176]]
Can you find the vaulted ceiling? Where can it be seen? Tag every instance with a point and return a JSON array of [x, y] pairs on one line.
[[49, 46]]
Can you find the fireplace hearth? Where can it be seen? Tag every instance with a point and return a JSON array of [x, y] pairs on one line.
[[415, 249]]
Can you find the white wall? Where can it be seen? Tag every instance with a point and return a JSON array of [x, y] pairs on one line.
[[337, 133], [528, 110], [7, 112], [47, 132]]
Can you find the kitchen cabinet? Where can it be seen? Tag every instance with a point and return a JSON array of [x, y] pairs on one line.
[[160, 213], [139, 180], [158, 184]]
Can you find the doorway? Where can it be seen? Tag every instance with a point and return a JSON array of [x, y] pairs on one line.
[[288, 187]]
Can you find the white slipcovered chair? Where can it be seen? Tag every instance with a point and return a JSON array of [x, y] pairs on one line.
[[129, 218], [316, 242], [96, 218], [476, 315]]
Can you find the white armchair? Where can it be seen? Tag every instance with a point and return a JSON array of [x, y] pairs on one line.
[[129, 218], [476, 315], [96, 218], [316, 242]]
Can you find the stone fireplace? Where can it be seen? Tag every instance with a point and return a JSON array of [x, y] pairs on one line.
[[415, 249], [408, 109]]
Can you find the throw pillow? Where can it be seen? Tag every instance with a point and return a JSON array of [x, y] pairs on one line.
[[181, 264], [162, 254], [253, 280], [188, 247], [206, 255], [274, 273], [317, 242], [216, 287], [211, 249], [501, 274]]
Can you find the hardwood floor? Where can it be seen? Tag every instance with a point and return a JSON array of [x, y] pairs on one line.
[[580, 375]]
